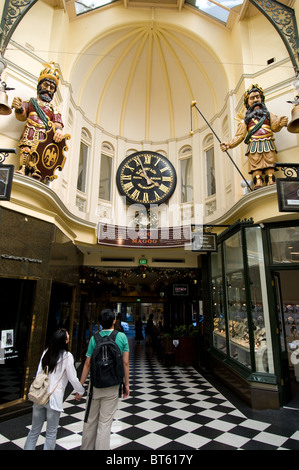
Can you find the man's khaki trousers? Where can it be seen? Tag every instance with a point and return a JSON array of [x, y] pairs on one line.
[[97, 430]]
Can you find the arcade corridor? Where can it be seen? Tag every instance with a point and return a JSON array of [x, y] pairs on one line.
[[171, 409]]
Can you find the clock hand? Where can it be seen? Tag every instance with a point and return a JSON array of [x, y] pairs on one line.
[[149, 181], [144, 173]]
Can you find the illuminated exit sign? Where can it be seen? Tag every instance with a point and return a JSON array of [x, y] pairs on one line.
[[143, 261]]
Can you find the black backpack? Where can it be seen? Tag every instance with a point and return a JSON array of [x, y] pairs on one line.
[[106, 367], [106, 362]]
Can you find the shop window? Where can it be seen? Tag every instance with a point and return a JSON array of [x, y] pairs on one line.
[[15, 323], [219, 324], [241, 319], [259, 301], [285, 244], [239, 346]]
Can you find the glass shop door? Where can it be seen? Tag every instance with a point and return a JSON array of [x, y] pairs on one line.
[[285, 368]]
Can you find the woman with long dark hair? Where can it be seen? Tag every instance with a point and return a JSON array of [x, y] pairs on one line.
[[60, 363]]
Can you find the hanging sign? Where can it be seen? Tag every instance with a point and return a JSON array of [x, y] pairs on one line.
[[288, 194], [6, 178], [203, 241]]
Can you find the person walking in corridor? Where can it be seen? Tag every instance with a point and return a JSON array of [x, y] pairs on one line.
[[138, 330], [104, 399], [60, 363]]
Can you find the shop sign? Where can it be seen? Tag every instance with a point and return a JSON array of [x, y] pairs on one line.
[[6, 177], [132, 237], [203, 241], [288, 194], [7, 346]]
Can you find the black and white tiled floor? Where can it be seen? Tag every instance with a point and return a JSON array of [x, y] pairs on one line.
[[10, 384], [170, 409]]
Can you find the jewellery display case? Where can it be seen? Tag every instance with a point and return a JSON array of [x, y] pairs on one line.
[[241, 326]]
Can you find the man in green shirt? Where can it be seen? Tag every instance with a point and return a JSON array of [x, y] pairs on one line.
[[97, 429]]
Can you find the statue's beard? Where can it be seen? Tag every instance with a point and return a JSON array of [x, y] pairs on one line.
[[44, 95], [256, 111]]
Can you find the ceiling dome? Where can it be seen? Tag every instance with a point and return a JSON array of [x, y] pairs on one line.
[[138, 81]]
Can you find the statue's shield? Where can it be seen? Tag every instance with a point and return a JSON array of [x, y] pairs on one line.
[[49, 155]]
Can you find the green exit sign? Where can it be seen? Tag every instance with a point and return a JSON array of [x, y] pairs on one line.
[[143, 261]]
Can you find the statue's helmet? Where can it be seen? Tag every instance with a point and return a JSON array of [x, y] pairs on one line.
[[254, 88], [50, 72]]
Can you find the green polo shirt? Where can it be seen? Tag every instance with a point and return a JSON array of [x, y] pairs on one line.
[[121, 341]]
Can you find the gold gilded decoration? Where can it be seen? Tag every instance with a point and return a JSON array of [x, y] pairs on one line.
[[255, 87], [41, 117], [146, 177], [50, 72], [257, 131], [49, 155]]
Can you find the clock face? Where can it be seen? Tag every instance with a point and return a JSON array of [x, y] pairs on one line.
[[146, 178]]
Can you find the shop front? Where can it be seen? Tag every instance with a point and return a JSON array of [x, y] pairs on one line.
[[254, 305], [171, 296], [38, 287]]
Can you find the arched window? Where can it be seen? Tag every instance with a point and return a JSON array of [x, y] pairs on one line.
[[105, 184], [210, 165], [83, 160], [186, 173]]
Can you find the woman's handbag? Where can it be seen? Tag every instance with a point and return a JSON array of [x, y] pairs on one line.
[[38, 391]]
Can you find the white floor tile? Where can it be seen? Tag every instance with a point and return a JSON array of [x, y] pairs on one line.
[[269, 438], [232, 440]]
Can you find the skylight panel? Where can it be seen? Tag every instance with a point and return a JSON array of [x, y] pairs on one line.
[[219, 9], [212, 10], [89, 5]]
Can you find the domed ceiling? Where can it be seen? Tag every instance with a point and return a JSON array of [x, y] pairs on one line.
[[138, 80]]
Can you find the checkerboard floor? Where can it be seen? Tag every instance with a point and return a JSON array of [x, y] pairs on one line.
[[10, 384], [170, 409]]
